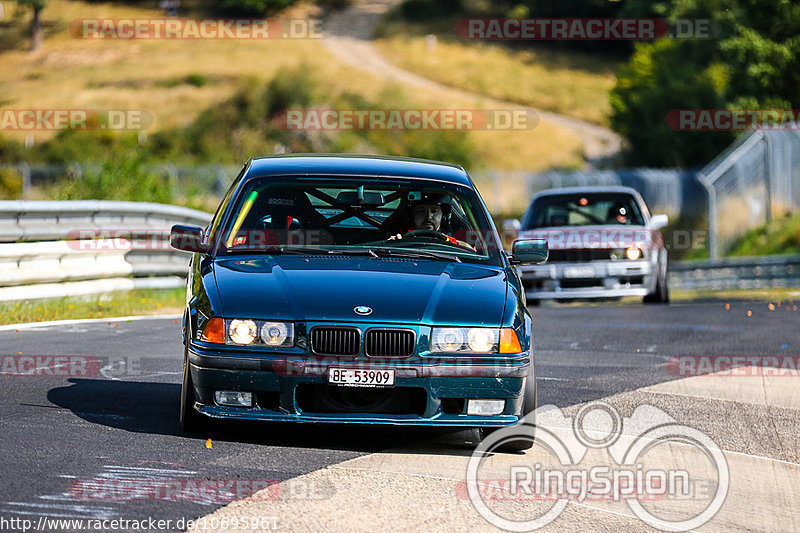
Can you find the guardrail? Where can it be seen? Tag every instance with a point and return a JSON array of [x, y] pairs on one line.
[[72, 248], [737, 273], [22, 221]]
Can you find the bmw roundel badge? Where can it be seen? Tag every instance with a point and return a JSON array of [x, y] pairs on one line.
[[363, 310]]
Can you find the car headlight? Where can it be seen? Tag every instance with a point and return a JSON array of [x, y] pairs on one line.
[[242, 331], [474, 340], [633, 253], [447, 339], [276, 333], [481, 340], [247, 332]]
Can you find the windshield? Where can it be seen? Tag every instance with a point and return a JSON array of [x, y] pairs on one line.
[[584, 210], [414, 218]]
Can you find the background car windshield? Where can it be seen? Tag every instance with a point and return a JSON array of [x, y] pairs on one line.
[[584, 210], [285, 212]]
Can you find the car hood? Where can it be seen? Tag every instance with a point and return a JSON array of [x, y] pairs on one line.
[[328, 288], [600, 236]]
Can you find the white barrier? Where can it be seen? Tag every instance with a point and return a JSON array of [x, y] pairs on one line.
[[132, 250]]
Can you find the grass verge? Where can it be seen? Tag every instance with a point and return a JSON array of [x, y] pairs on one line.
[[123, 303], [779, 236], [783, 298]]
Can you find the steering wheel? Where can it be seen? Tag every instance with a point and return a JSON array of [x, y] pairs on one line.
[[432, 233]]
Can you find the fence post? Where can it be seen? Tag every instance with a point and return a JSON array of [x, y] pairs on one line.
[[768, 177], [25, 170], [713, 253]]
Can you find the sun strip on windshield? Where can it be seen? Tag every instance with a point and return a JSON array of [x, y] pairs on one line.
[[248, 204]]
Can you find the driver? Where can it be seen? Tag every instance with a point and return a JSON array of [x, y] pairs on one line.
[[618, 214], [428, 213]]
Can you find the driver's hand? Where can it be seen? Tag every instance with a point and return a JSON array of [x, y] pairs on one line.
[[394, 237]]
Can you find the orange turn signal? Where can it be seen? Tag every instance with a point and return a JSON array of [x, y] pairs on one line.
[[214, 331], [509, 342]]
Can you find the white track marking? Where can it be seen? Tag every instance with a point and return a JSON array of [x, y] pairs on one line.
[[30, 325]]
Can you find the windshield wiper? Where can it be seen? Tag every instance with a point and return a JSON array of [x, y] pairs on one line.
[[374, 252], [280, 250], [303, 250], [426, 254]]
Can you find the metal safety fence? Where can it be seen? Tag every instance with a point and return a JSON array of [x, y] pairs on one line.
[[756, 179]]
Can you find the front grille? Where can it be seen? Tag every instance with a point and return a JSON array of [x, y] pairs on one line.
[[390, 342], [578, 256], [335, 341]]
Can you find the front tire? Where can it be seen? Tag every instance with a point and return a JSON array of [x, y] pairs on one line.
[[191, 420], [661, 294]]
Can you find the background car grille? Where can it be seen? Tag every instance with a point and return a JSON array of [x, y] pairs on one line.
[[390, 343], [578, 256], [335, 341]]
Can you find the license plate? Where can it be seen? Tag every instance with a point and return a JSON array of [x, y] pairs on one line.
[[353, 377], [579, 272]]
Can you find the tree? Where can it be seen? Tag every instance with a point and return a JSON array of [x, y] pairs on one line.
[[36, 23], [255, 7], [750, 63]]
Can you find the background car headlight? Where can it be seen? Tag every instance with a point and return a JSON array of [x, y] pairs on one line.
[[276, 333], [242, 331], [465, 340], [633, 253]]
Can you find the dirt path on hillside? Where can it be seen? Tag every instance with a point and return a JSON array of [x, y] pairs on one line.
[[348, 36]]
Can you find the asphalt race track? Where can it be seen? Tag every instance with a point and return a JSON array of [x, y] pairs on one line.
[[72, 440]]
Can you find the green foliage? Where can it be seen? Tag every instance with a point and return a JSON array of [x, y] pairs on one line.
[[660, 77], [72, 145], [10, 184], [246, 125], [36, 5], [122, 176], [750, 63], [254, 7], [445, 145], [420, 10], [242, 126], [113, 166], [194, 79], [12, 151], [780, 236]]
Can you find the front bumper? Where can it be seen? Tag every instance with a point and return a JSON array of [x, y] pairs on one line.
[[283, 386], [596, 279]]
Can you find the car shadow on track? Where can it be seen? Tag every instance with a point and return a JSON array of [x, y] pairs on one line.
[[149, 407]]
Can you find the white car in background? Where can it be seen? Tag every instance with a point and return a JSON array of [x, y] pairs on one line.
[[603, 243]]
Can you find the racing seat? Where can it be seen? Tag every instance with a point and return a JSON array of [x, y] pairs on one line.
[[397, 222]]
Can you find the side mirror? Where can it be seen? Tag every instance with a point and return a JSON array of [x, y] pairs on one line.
[[658, 221], [187, 238], [526, 251]]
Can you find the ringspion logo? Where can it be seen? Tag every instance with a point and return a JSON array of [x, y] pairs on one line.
[[649, 461]]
